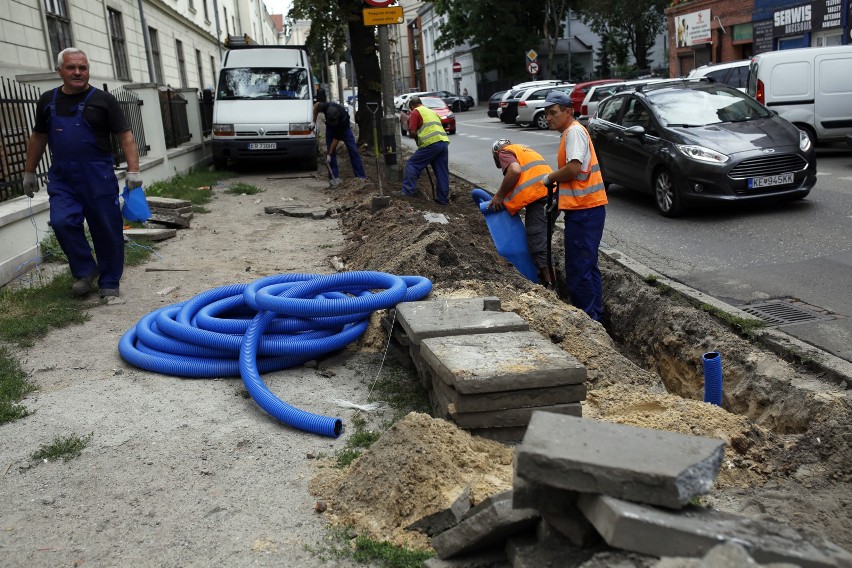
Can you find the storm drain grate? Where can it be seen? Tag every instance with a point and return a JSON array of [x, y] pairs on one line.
[[786, 311]]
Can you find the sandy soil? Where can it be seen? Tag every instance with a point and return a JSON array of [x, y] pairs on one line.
[[190, 472]]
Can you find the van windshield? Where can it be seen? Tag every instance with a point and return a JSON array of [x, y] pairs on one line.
[[242, 83]]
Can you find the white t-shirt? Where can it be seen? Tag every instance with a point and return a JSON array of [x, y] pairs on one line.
[[577, 147]]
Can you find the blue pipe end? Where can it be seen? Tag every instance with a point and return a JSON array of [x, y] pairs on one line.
[[712, 362]]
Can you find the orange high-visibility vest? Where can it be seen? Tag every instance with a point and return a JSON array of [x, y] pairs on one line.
[[529, 187], [587, 189]]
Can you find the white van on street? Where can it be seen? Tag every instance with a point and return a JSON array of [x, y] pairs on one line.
[[810, 87], [264, 106]]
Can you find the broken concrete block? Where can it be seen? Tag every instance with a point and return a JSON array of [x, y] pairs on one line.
[[437, 318], [508, 418], [489, 401], [553, 550], [728, 555], [694, 531], [618, 559], [171, 217], [558, 508], [512, 360], [489, 526], [297, 211], [167, 202], [150, 234], [442, 520], [637, 464]]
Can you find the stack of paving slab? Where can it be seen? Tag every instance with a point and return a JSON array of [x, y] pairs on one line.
[[169, 213], [484, 369], [589, 493]]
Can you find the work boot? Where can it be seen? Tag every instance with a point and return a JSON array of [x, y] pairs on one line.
[[109, 293], [83, 286]]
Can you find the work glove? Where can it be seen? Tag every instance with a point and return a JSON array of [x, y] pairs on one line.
[[133, 180], [313, 126], [30, 184], [328, 158]]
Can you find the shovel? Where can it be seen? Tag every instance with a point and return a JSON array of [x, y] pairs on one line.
[[332, 181], [551, 221]]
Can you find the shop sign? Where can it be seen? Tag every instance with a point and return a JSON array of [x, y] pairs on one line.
[[792, 21], [762, 36], [692, 28], [828, 14]]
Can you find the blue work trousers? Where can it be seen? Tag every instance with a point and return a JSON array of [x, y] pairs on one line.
[[437, 154], [354, 157], [583, 233]]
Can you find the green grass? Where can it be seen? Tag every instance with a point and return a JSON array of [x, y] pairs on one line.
[[14, 386], [745, 326], [28, 314], [135, 252], [242, 188], [342, 542], [359, 441], [193, 186], [401, 389], [67, 448]]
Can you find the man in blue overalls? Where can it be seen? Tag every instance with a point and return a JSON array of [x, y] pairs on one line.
[[76, 120]]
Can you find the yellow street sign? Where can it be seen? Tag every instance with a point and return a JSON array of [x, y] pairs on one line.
[[531, 55], [383, 16]]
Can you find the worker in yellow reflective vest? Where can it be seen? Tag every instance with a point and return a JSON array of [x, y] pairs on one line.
[[582, 197], [432, 148]]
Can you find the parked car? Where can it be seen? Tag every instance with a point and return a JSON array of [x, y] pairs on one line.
[[509, 106], [694, 142], [494, 103], [455, 102], [530, 108], [732, 73], [522, 87], [578, 93], [448, 119], [595, 95], [810, 87]]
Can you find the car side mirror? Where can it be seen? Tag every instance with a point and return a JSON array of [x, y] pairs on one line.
[[636, 131]]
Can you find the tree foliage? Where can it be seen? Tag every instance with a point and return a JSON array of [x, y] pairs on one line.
[[633, 24], [330, 22], [502, 30]]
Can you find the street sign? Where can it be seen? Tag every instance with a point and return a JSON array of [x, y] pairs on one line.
[[383, 16], [532, 67], [532, 55], [380, 3], [456, 67]]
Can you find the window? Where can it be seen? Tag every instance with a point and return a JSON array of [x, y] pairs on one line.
[[609, 109], [154, 39], [636, 115], [119, 45], [181, 62], [227, 32], [58, 25], [199, 65], [206, 13]]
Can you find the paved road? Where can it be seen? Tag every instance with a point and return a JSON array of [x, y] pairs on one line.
[[741, 254]]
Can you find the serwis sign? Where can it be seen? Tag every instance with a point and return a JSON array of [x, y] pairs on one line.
[[795, 20]]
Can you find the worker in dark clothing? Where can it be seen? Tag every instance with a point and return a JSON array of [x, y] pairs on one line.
[[75, 121], [337, 129]]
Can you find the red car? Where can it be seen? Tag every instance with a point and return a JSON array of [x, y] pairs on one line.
[[448, 119], [580, 89]]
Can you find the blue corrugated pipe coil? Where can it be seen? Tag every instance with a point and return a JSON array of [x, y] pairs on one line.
[[273, 323]]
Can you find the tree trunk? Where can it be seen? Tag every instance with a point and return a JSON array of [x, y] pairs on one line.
[[365, 59]]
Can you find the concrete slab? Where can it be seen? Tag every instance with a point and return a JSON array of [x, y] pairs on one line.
[[167, 202], [488, 401], [150, 234], [553, 550], [728, 555], [508, 418], [297, 211], [442, 520], [437, 318], [558, 508], [487, 527], [694, 531], [637, 464], [512, 360]]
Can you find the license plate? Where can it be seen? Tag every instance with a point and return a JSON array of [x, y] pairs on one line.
[[262, 146], [780, 179]]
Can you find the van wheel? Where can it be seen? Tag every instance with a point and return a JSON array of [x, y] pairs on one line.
[[220, 163], [540, 121], [666, 194]]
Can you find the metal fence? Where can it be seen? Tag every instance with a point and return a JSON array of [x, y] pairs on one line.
[[17, 116], [175, 122], [205, 103], [129, 103]]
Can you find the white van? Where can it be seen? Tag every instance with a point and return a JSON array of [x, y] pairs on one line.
[[810, 87], [264, 106]]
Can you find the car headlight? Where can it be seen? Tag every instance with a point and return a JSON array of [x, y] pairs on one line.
[[804, 141], [300, 128], [702, 154], [223, 129], [451, 115]]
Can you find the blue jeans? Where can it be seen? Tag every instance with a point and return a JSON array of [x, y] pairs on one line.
[[583, 233], [351, 147], [437, 154]]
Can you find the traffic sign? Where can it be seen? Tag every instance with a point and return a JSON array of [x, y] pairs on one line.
[[456, 67], [380, 3], [383, 16], [532, 67], [532, 55]]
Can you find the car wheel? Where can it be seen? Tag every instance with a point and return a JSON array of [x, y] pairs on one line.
[[540, 121], [666, 194], [453, 131]]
